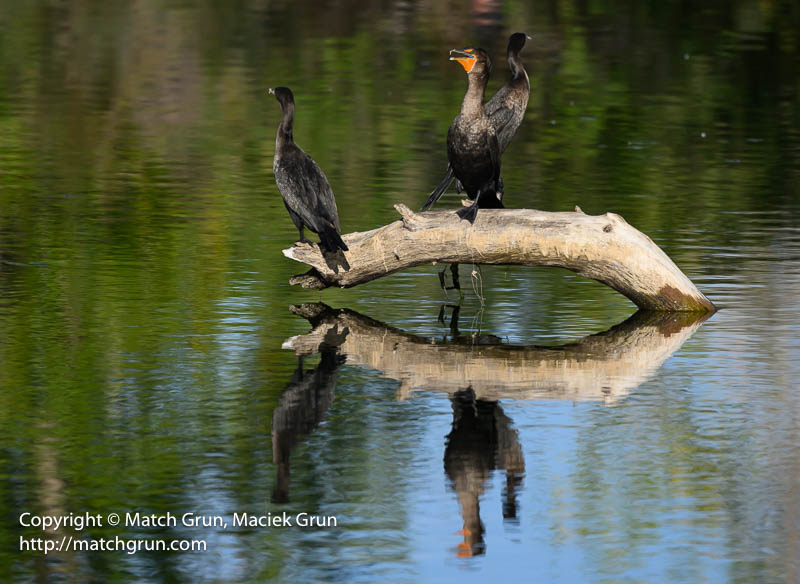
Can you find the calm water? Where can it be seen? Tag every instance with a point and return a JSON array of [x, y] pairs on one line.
[[154, 359]]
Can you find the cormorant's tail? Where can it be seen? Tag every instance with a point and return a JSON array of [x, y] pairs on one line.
[[439, 190], [331, 241]]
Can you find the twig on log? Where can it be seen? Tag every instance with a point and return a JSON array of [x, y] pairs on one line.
[[601, 247]]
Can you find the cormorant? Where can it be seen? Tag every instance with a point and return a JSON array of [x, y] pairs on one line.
[[507, 107], [505, 110], [305, 189], [472, 147]]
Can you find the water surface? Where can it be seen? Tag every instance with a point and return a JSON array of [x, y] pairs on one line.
[[150, 359]]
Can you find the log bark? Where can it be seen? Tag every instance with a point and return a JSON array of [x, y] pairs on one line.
[[601, 247], [604, 367]]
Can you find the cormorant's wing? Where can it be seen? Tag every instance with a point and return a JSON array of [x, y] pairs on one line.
[[300, 191], [498, 101], [506, 109], [503, 121], [317, 182]]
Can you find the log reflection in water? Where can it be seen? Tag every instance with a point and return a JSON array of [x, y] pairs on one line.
[[604, 366]]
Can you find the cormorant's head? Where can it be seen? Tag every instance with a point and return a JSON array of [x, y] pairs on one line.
[[474, 60], [283, 95], [516, 41]]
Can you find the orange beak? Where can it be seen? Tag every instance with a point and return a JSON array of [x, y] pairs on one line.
[[464, 57]]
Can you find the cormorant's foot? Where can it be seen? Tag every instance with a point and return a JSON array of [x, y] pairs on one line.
[[468, 213]]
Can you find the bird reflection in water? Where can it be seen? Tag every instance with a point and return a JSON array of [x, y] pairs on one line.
[[482, 440], [303, 405]]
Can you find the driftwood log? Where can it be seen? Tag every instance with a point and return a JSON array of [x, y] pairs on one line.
[[601, 247], [605, 367]]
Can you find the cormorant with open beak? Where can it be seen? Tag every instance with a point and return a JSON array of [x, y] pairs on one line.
[[472, 146], [505, 110]]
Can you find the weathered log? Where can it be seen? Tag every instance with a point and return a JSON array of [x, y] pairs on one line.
[[601, 247], [605, 366]]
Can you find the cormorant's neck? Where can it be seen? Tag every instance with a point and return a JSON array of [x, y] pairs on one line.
[[472, 106], [515, 64], [287, 122]]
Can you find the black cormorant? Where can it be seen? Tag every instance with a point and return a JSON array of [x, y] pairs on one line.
[[505, 110], [305, 189], [472, 147]]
